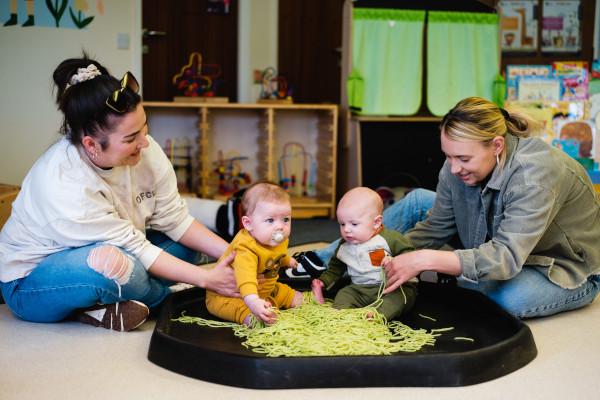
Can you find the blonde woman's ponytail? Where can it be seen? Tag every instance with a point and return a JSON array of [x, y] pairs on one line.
[[520, 124]]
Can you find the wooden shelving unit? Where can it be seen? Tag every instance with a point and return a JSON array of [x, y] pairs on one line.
[[260, 132]]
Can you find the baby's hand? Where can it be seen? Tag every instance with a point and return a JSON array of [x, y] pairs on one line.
[[260, 308], [317, 289], [293, 263]]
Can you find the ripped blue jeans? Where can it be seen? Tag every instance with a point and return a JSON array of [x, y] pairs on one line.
[[65, 281]]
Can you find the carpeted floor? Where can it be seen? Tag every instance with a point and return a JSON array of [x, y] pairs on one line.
[[74, 361], [314, 230]]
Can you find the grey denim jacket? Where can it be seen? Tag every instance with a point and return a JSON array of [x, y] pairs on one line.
[[540, 210]]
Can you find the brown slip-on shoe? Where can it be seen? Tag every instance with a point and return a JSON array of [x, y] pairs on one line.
[[124, 316]]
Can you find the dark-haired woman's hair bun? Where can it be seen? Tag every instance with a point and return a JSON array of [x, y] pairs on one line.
[[66, 69], [83, 85]]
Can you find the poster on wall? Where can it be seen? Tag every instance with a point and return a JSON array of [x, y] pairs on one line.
[[519, 25], [561, 26], [70, 14]]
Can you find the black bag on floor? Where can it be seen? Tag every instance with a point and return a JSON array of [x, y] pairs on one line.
[[229, 216]]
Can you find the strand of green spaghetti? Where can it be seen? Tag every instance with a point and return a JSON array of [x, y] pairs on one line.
[[379, 300], [467, 339], [442, 329], [426, 317]]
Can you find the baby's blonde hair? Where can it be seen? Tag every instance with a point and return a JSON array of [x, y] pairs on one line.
[[477, 119], [262, 191]]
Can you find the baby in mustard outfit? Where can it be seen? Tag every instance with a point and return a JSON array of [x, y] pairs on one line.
[[260, 249]]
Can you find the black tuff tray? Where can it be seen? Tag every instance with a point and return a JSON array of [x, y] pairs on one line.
[[502, 344]]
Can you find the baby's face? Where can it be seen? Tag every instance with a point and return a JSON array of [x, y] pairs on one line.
[[270, 223], [358, 223]]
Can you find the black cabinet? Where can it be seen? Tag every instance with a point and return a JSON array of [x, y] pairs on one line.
[[400, 154]]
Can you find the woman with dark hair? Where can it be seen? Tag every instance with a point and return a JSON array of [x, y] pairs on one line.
[[99, 231]]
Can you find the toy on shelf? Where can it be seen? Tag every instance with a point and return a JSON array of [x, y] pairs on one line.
[[274, 88], [198, 82], [297, 170], [230, 174]]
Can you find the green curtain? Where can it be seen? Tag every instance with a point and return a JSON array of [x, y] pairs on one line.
[[387, 65], [462, 58]]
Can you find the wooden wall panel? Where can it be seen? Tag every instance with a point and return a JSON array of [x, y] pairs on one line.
[[310, 40], [188, 27]]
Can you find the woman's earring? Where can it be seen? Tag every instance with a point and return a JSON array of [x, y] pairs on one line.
[[497, 159]]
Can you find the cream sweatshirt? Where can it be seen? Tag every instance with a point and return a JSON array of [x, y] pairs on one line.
[[66, 202]]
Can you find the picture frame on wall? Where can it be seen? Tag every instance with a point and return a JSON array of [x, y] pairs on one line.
[[561, 26], [519, 25]]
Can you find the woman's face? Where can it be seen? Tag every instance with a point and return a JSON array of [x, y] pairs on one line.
[[126, 141], [469, 160]]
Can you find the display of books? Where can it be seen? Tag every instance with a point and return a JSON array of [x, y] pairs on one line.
[[539, 88], [574, 77], [563, 80], [551, 113], [514, 72]]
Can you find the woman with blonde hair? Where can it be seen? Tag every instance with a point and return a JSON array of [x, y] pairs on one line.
[[525, 213]]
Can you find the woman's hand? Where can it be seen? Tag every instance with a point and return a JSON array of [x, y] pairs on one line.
[[406, 266], [401, 269], [221, 278]]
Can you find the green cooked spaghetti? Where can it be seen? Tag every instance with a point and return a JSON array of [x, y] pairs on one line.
[[427, 317], [466, 339], [320, 330]]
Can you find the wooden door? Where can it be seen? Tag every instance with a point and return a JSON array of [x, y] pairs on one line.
[[310, 40], [175, 29]]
